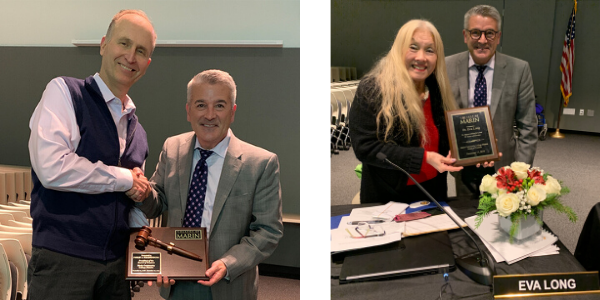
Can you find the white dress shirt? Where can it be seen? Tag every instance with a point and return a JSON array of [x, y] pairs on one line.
[[54, 139], [215, 166], [488, 73]]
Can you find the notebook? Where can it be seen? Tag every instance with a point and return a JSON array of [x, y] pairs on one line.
[[423, 254]]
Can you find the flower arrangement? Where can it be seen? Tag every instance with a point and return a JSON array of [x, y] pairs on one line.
[[518, 192]]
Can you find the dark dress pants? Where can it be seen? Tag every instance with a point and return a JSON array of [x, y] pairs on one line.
[[52, 275]]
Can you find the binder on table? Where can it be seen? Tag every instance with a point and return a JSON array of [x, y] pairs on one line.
[[418, 255]]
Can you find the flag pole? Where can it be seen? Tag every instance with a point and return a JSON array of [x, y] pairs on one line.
[[566, 69], [557, 134]]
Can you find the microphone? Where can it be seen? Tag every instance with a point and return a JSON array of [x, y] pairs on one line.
[[476, 267]]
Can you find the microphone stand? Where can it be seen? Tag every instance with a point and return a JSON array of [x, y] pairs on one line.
[[475, 267]]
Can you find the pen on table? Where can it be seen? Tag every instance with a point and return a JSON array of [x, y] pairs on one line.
[[368, 222]]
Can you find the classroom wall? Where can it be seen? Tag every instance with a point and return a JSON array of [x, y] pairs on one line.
[[58, 22], [534, 30]]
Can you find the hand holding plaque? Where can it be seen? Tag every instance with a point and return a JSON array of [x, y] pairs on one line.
[[471, 135]]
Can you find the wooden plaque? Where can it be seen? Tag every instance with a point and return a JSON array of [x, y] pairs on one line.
[[145, 263], [471, 135]]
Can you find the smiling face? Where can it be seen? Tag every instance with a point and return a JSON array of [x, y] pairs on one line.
[[421, 57], [211, 112], [126, 56], [482, 50]]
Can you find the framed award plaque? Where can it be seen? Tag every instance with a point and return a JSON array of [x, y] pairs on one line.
[[181, 253], [471, 135]]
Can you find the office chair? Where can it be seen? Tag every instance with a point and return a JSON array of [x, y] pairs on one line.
[[588, 245], [16, 256], [6, 278]]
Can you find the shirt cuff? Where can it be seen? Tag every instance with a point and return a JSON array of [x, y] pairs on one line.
[[124, 180], [227, 268]]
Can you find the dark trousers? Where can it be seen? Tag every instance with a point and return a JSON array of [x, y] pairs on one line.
[[184, 290], [53, 275], [469, 179]]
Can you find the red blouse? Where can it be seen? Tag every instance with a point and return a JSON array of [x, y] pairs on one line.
[[427, 170]]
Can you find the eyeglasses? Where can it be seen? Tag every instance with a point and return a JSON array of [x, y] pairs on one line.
[[476, 34], [365, 230]]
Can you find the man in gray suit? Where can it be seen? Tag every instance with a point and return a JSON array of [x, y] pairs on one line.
[[241, 207], [482, 76]]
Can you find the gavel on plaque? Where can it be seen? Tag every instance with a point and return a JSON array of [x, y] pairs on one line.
[[144, 238]]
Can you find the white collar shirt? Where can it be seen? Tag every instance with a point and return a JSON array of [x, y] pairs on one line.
[[488, 73], [120, 115], [215, 167]]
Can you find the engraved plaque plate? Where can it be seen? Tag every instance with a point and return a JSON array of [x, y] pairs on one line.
[[145, 263], [471, 135]]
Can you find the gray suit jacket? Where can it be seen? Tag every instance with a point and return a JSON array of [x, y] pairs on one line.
[[246, 223], [512, 100]]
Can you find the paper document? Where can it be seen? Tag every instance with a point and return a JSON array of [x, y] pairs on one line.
[[550, 250], [383, 212], [498, 240], [346, 237], [432, 224]]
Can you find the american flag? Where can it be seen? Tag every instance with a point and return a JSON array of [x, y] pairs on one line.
[[568, 58]]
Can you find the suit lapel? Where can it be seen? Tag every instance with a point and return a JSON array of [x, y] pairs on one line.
[[231, 169], [185, 158], [498, 84], [463, 80]]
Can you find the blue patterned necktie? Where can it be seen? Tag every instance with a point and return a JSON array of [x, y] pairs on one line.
[[195, 203], [480, 97]]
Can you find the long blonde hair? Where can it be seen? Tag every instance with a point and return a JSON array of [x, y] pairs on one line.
[[401, 105]]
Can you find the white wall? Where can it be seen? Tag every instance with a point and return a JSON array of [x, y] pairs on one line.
[[58, 22]]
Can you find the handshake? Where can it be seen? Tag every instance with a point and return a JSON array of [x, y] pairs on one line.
[[141, 187]]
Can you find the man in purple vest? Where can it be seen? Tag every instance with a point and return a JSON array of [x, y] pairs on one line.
[[87, 152]]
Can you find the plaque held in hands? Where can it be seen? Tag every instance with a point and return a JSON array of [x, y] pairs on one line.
[[181, 253], [471, 135]]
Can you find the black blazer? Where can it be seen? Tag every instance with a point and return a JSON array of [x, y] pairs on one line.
[[381, 182]]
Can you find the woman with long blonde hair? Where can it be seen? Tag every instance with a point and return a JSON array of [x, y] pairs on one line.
[[399, 110]]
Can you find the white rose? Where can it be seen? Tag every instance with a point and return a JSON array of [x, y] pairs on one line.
[[506, 204], [552, 186], [536, 194], [488, 184], [520, 169]]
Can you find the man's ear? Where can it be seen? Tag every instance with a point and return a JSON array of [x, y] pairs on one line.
[[187, 111], [102, 45], [498, 36], [233, 112]]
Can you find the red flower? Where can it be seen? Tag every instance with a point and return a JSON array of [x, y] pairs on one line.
[[536, 176], [506, 179]]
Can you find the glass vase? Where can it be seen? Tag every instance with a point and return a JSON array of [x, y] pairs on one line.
[[526, 228]]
